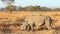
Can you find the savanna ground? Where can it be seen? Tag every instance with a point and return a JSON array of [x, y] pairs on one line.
[[20, 15]]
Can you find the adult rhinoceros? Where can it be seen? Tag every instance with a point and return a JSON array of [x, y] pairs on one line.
[[38, 20]]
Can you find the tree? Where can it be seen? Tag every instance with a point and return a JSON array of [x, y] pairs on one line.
[[37, 8], [57, 9], [33, 8], [9, 3], [11, 8], [21, 8], [29, 8], [45, 9]]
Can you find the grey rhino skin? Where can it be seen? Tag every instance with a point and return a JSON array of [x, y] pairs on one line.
[[38, 20]]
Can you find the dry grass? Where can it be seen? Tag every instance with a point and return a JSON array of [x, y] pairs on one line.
[[13, 16]]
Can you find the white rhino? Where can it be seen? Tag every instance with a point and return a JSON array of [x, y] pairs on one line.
[[38, 20]]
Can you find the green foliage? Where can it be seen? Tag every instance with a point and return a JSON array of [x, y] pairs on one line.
[[9, 2], [32, 8], [57, 9], [10, 8], [37, 8], [28, 8]]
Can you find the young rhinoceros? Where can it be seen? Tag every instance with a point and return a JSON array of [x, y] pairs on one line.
[[38, 20]]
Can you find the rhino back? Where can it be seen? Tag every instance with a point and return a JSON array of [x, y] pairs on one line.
[[35, 19]]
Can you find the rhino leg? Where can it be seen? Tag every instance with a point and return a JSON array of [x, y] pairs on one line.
[[28, 27], [24, 26], [32, 27]]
